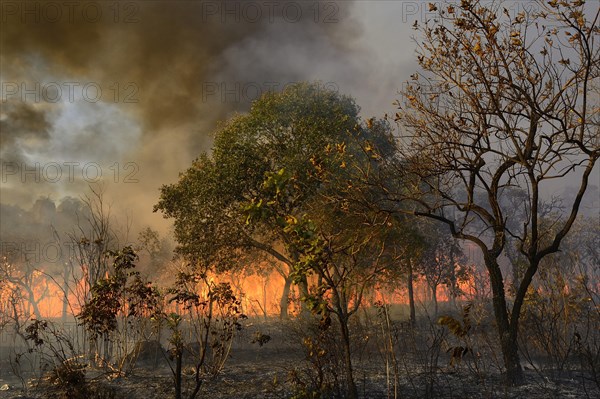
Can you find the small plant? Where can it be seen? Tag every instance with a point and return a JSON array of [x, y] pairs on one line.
[[117, 302], [558, 311], [321, 375], [260, 338], [211, 312], [471, 340], [56, 349], [69, 376], [460, 329]]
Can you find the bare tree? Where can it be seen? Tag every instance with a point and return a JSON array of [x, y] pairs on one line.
[[89, 242], [502, 101], [23, 279]]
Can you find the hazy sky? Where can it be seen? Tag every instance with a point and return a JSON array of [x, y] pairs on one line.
[[131, 90]]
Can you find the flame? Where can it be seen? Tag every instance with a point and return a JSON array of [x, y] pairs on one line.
[[260, 295]]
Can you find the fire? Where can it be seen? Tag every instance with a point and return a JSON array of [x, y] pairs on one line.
[[260, 294]]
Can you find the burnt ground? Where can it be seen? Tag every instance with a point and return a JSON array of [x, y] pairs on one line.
[[279, 369]]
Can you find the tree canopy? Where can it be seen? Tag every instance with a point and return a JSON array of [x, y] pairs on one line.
[[290, 130]]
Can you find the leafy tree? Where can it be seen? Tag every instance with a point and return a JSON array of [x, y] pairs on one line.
[[346, 243], [345, 257], [288, 130], [502, 101], [149, 241], [359, 185]]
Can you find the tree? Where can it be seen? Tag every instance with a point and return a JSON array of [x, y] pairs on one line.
[[155, 250], [211, 313], [338, 235], [22, 279], [116, 301], [403, 255], [343, 248], [288, 130], [149, 242], [91, 239], [442, 262], [502, 101]]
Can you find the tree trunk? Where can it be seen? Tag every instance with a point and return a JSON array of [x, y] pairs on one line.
[[33, 303], [105, 358], [303, 288], [352, 390], [510, 353], [65, 303], [411, 295], [177, 376], [453, 281], [453, 299], [264, 297], [508, 338], [435, 301], [285, 297]]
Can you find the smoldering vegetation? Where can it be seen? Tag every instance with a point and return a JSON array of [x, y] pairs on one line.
[[226, 335]]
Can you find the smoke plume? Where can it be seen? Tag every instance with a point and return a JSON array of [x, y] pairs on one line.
[[132, 90]]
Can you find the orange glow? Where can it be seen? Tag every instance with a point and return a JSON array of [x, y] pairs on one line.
[[260, 295]]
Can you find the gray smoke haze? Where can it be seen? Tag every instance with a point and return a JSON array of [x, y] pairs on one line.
[[22, 123], [133, 89]]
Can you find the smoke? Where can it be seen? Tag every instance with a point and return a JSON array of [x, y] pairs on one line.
[[126, 94], [22, 125]]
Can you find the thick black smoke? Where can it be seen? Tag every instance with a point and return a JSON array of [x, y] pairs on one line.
[[133, 89]]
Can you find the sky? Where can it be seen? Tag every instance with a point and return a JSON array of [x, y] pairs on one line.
[[126, 94]]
